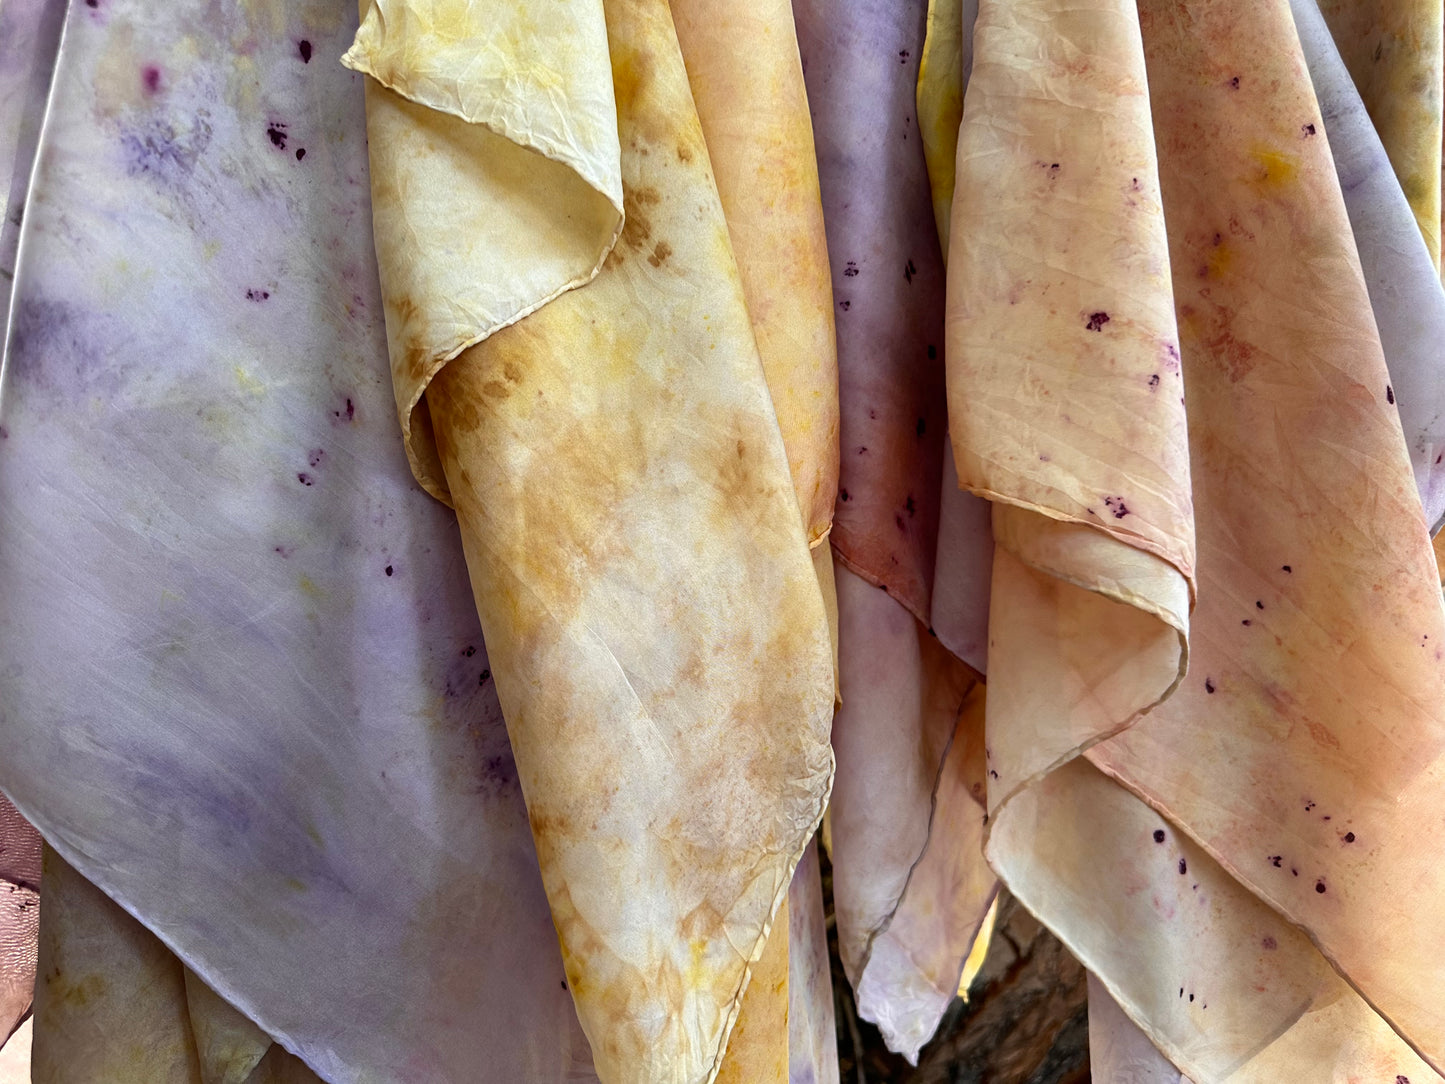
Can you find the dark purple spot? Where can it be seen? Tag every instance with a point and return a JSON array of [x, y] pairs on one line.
[[1389, 394], [1402, 1079], [316, 456], [304, 47], [150, 75], [992, 774], [1269, 944], [1320, 887], [1308, 805], [349, 413], [1309, 130], [1097, 320], [1349, 837], [300, 153], [4, 433], [1258, 605], [1209, 685], [1191, 999], [1154, 381], [1181, 991], [1117, 506], [281, 551], [389, 570], [564, 984], [1246, 622], [850, 269], [1183, 867], [469, 651], [304, 479], [257, 295], [843, 495], [920, 427], [276, 133], [482, 680], [909, 271], [932, 352], [1234, 82], [1285, 568], [844, 305], [92, 3], [903, 56], [899, 520], [908, 507], [1158, 835], [1275, 860], [862, 448]]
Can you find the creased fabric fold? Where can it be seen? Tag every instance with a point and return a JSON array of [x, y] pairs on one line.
[[657, 631]]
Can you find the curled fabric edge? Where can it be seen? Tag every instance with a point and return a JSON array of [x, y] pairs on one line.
[[555, 145], [563, 472]]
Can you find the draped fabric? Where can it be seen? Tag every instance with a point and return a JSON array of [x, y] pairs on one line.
[[480, 480]]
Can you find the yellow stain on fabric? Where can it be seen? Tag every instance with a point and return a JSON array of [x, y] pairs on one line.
[[1395, 51]]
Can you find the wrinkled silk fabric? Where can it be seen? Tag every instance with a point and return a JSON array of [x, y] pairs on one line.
[[812, 1033], [244, 691], [29, 38], [1119, 1053], [602, 424], [1404, 285], [746, 79], [114, 1004], [1264, 833], [1395, 51], [909, 891]]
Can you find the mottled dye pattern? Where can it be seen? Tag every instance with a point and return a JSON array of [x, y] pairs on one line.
[[1267, 828], [1395, 52], [244, 689]]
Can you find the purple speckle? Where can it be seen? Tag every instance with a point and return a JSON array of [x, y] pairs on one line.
[[276, 133], [305, 479], [1269, 944], [316, 456], [150, 77], [257, 295], [850, 269], [1097, 320], [346, 414]]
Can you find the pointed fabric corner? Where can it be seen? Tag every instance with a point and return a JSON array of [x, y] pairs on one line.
[[909, 891], [245, 694], [656, 629], [1248, 826]]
